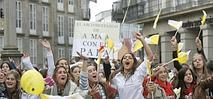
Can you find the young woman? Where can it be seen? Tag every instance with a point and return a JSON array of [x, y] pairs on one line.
[[63, 62], [162, 84], [63, 86], [187, 82], [2, 86], [128, 79], [5, 67], [75, 72], [12, 85], [99, 89], [199, 62]]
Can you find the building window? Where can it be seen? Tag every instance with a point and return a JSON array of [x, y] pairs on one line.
[[20, 44], [71, 6], [71, 26], [70, 53], [61, 52], [18, 17], [32, 21], [1, 43], [45, 21], [71, 2], [60, 25], [60, 5], [33, 50]]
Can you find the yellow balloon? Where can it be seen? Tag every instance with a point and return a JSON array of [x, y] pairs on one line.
[[32, 82]]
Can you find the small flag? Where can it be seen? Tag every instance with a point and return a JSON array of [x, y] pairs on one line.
[[180, 46], [137, 45], [100, 51], [156, 20], [175, 24], [110, 44], [183, 57], [154, 39], [203, 18], [148, 66]]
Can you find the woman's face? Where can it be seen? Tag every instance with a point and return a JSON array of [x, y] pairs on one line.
[[61, 76], [2, 77], [92, 74], [76, 72], [198, 61], [64, 63], [128, 61], [5, 68], [188, 77], [10, 81], [162, 75]]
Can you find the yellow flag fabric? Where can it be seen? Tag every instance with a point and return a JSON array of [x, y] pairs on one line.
[[203, 18], [74, 96], [156, 20], [180, 46], [32, 82], [154, 39], [183, 57], [137, 45], [110, 43], [175, 24], [148, 66], [98, 61]]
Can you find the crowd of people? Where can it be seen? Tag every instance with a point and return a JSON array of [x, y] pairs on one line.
[[120, 79]]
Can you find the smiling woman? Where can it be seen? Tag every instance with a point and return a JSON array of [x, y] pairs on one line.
[[12, 85], [128, 79]]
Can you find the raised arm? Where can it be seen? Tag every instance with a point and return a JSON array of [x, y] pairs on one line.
[[107, 67], [50, 59], [84, 83], [145, 45], [25, 59], [174, 52], [198, 44]]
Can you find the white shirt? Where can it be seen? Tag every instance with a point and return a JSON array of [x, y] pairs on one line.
[[131, 88]]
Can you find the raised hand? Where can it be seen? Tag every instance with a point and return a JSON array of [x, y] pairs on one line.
[[198, 43], [82, 56], [45, 44], [174, 43], [94, 90], [138, 35], [106, 60]]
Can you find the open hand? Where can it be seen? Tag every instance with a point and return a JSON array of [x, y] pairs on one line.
[[45, 43]]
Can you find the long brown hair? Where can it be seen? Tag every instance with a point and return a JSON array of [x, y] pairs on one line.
[[17, 92], [121, 69], [55, 71]]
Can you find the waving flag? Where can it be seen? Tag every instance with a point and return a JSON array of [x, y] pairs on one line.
[[203, 18], [175, 24], [156, 20], [183, 57], [137, 45]]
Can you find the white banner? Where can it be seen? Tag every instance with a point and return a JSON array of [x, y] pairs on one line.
[[88, 36]]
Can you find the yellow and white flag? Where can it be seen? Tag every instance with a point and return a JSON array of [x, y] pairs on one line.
[[156, 20], [183, 57], [137, 45], [180, 46], [203, 21], [175, 24], [154, 39]]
